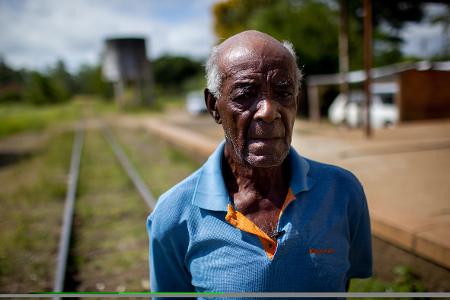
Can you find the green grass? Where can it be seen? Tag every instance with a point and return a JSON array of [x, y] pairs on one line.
[[110, 238], [160, 164], [19, 117], [31, 200], [160, 104], [111, 243], [171, 101]]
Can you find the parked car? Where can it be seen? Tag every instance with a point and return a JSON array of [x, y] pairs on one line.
[[195, 103], [383, 112]]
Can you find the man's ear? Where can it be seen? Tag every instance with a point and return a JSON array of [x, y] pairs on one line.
[[211, 106]]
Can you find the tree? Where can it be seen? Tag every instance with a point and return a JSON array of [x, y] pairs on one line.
[[62, 80], [11, 83], [173, 71], [315, 37], [312, 27], [89, 80], [231, 17], [40, 89], [389, 17]]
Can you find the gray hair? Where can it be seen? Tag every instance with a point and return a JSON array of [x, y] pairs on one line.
[[214, 76]]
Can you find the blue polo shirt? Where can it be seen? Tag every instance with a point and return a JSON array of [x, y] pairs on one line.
[[195, 245]]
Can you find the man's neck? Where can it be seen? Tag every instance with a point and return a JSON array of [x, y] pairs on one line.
[[248, 185]]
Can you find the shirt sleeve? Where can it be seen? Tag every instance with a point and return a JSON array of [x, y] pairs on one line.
[[360, 256], [166, 259]]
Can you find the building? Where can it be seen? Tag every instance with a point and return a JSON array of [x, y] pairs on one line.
[[125, 64], [423, 88]]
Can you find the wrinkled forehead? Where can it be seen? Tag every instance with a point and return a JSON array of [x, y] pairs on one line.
[[255, 57]]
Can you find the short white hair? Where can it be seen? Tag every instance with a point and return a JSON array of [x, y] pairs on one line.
[[214, 76]]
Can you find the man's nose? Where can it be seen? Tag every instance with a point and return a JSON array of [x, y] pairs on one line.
[[267, 111]]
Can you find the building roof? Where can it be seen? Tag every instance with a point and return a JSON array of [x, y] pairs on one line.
[[384, 72]]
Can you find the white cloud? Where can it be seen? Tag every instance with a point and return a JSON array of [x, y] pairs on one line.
[[36, 33], [423, 40]]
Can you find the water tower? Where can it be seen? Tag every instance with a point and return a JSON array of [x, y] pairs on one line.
[[125, 63]]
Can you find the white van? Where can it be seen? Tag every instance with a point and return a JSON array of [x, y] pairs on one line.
[[195, 103], [383, 112]]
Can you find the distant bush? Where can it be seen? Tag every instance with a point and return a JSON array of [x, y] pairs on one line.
[[11, 83], [56, 85], [172, 72], [41, 89], [89, 81]]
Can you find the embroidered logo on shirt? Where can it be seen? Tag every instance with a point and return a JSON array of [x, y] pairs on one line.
[[319, 251]]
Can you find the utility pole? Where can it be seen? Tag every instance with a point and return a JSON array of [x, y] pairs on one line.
[[368, 63], [343, 49]]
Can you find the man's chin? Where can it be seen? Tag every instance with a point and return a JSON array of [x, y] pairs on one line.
[[265, 161], [266, 153]]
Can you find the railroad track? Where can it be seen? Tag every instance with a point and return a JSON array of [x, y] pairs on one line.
[[61, 272]]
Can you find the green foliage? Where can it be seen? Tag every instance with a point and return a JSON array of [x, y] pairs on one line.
[[314, 38], [405, 280], [56, 85], [171, 72], [231, 17], [312, 27], [89, 81], [63, 79], [41, 89], [11, 83], [197, 82], [388, 19]]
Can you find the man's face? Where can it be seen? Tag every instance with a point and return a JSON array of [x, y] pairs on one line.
[[258, 103]]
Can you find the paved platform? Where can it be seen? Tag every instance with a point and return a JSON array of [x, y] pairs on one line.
[[405, 171]]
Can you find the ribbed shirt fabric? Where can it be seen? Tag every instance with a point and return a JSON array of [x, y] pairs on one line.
[[326, 240]]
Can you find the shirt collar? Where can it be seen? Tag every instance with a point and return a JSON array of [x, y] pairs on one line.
[[211, 192]]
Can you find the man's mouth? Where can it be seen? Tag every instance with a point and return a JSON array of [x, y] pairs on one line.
[[262, 138]]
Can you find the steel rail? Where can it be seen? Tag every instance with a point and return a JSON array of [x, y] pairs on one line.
[[64, 241], [140, 185]]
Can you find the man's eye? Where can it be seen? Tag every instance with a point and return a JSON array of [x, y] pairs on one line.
[[284, 94], [245, 96]]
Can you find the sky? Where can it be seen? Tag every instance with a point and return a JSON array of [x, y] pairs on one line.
[[34, 34]]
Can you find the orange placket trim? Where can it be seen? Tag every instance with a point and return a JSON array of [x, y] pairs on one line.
[[289, 198], [240, 221]]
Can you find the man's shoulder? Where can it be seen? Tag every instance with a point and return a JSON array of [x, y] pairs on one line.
[[327, 171], [339, 188], [175, 203], [180, 193], [343, 181]]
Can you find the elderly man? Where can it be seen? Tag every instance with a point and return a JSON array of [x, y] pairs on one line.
[[257, 216]]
